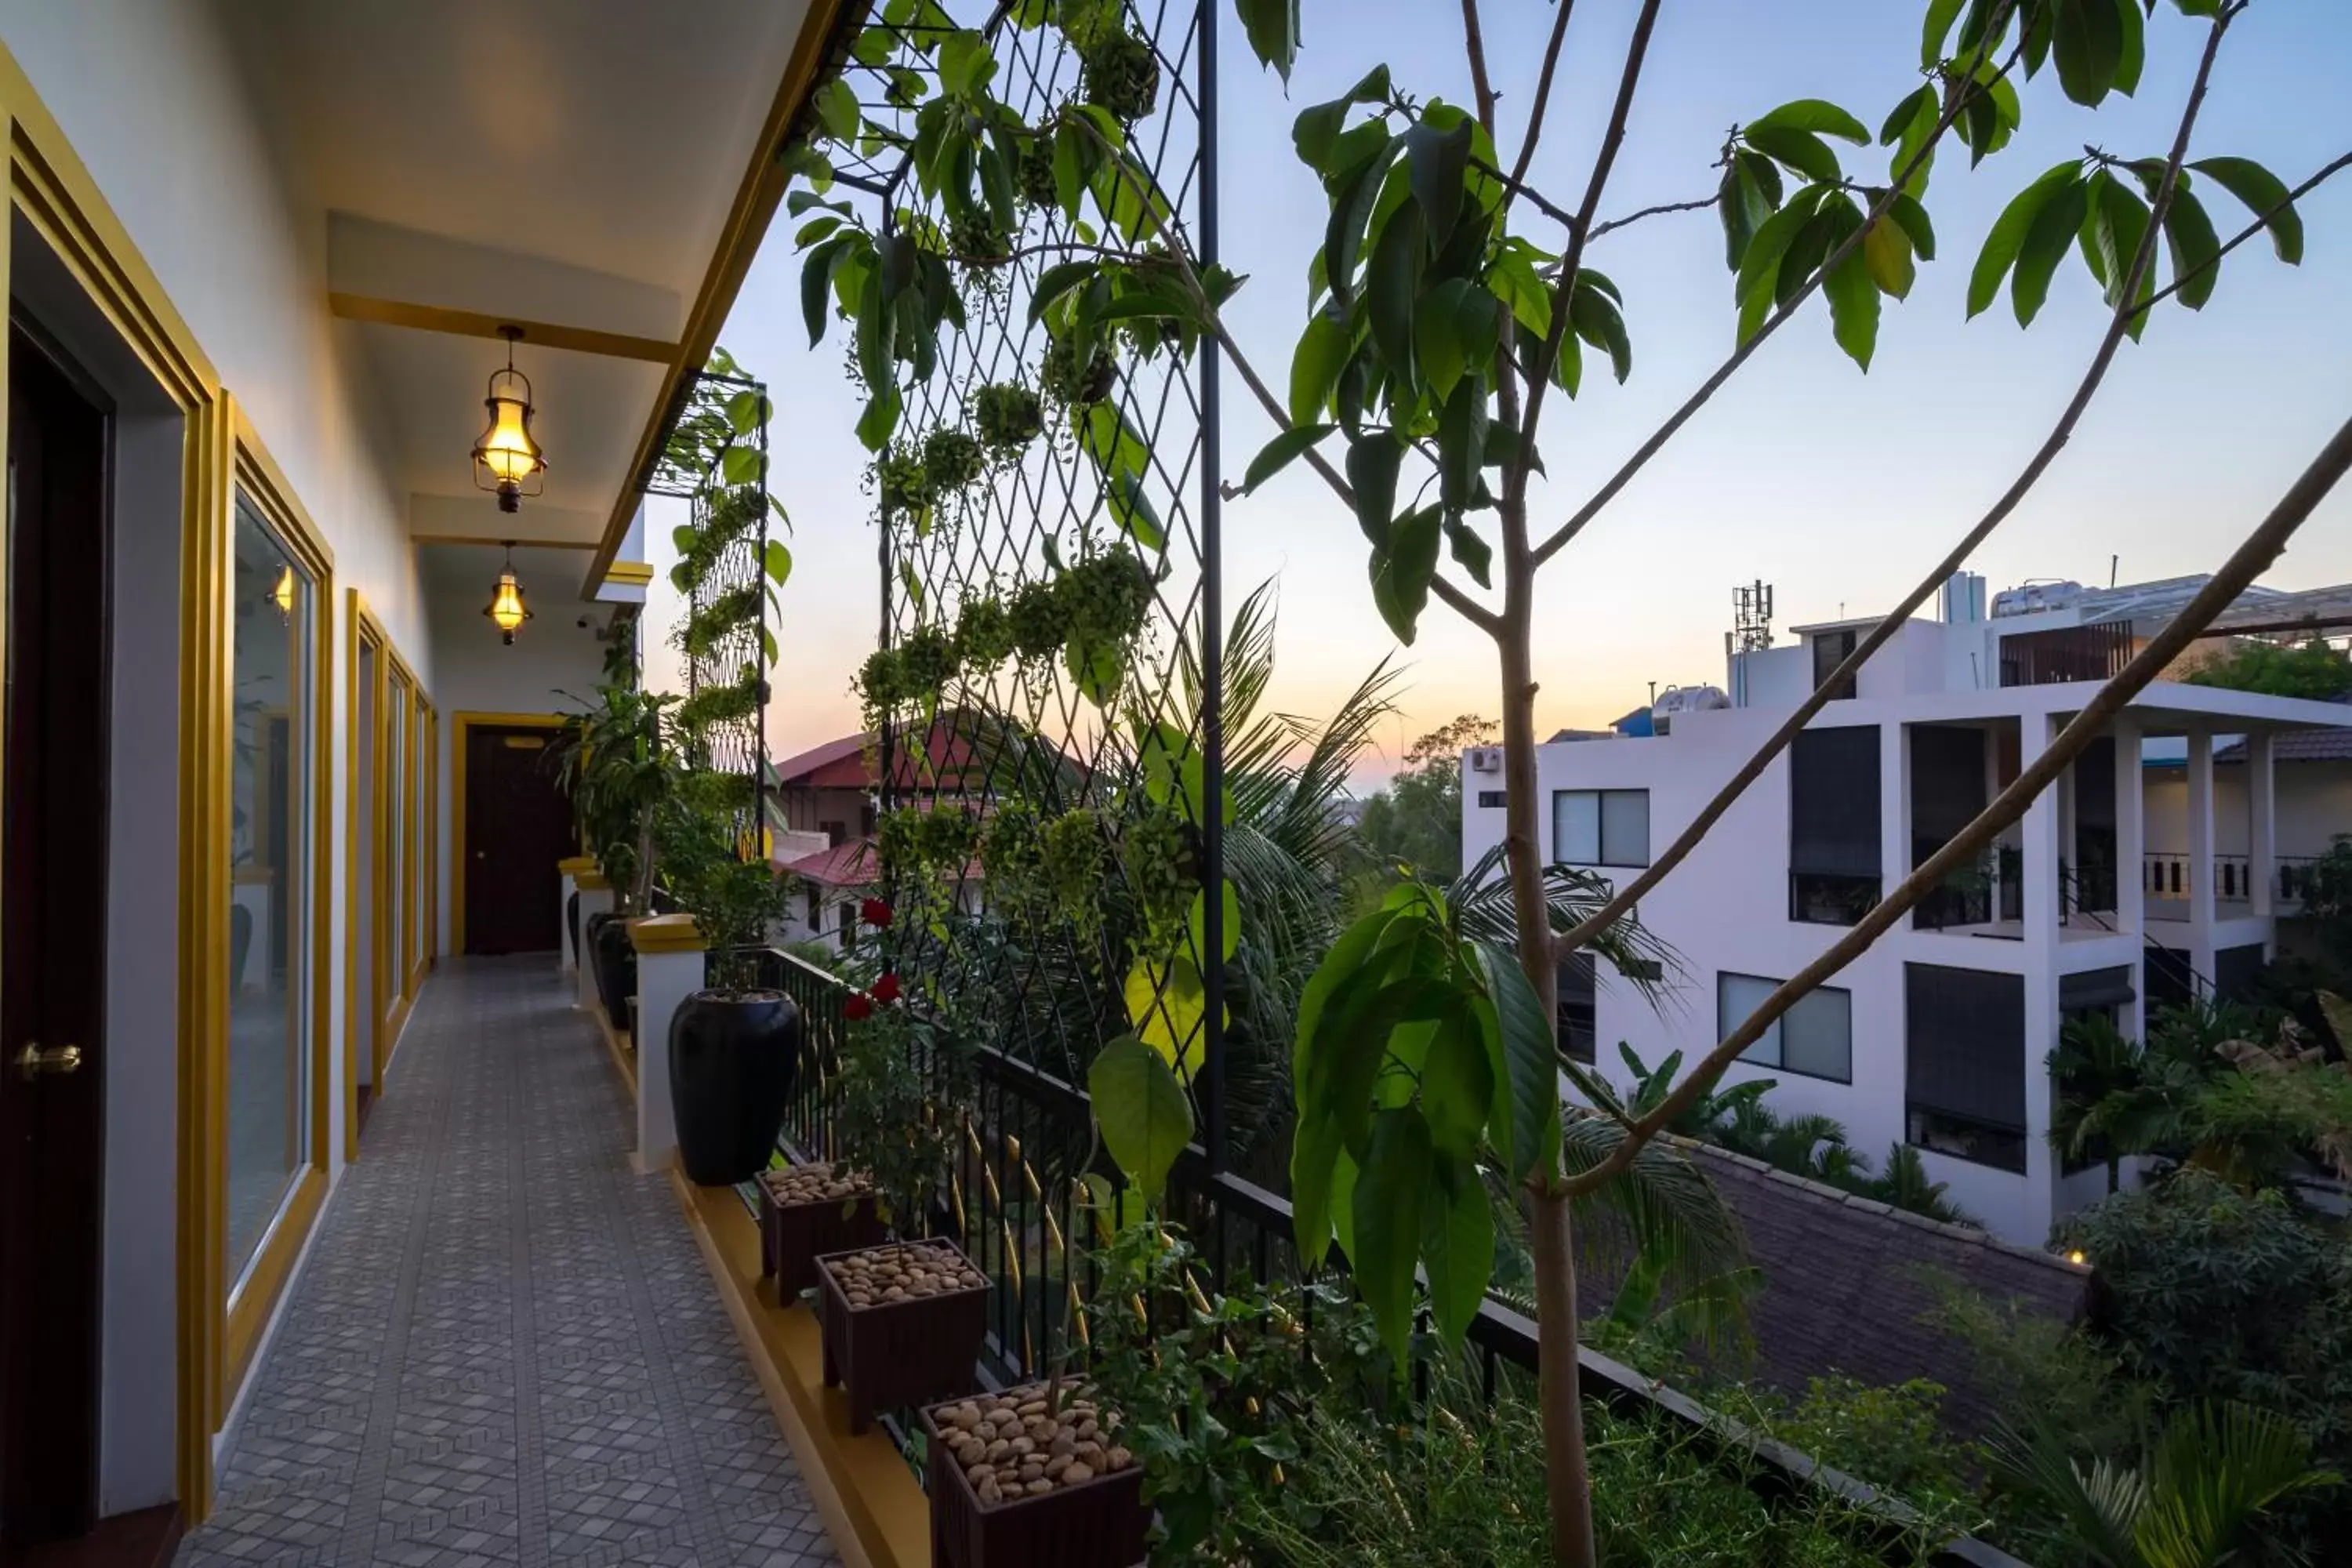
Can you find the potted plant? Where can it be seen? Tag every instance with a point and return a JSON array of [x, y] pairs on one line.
[[619, 764], [812, 1209], [735, 1047], [903, 1321], [1036, 1475]]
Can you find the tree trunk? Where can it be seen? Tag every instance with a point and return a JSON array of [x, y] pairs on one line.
[[1568, 1485]]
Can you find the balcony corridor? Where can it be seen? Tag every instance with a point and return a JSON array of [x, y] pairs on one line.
[[504, 1347]]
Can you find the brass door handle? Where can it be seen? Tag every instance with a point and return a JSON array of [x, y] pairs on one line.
[[33, 1061]]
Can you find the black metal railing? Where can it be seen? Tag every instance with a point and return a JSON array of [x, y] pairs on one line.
[[1028, 1190], [2295, 875], [2168, 876]]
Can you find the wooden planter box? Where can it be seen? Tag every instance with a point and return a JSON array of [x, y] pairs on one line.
[[1098, 1523], [897, 1353], [793, 1235]]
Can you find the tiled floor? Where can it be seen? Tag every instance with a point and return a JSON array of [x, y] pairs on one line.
[[504, 1348]]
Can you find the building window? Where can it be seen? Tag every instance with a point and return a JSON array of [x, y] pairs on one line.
[[1964, 1064], [834, 832], [1834, 837], [1490, 798], [1579, 1016], [1814, 1036], [270, 913], [1830, 650], [1600, 827]]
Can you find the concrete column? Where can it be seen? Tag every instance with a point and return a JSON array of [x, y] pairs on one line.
[[2131, 864], [595, 899], [2261, 822], [2041, 970], [1894, 806], [571, 870], [2069, 887], [670, 968], [2203, 909]]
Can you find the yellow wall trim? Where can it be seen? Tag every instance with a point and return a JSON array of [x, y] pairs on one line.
[[665, 934], [474, 324], [630, 573], [590, 882], [576, 864]]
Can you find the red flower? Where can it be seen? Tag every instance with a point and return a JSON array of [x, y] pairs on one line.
[[875, 912], [886, 990], [858, 1006]]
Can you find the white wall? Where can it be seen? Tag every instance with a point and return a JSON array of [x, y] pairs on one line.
[[2315, 804], [552, 655]]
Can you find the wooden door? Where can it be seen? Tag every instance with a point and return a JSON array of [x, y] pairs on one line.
[[53, 840], [518, 826]]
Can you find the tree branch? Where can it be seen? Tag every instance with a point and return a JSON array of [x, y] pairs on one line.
[[2247, 232], [1473, 43], [1515, 477], [1660, 210], [1650, 448], [1753, 768], [2253, 556], [1526, 159]]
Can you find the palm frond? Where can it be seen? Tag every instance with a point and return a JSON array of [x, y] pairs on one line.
[[1662, 1205], [2099, 1508], [2220, 1465], [1483, 908]]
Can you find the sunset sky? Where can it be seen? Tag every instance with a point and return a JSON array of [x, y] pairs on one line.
[[1836, 486]]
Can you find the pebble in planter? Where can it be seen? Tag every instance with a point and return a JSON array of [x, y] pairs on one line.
[[1019, 1478], [902, 1323], [806, 1211]]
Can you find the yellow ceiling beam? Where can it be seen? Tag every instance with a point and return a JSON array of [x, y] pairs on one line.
[[474, 324]]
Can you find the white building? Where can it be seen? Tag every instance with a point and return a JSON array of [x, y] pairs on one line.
[[2121, 887]]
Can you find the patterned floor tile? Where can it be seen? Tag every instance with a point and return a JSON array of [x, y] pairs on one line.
[[503, 1351]]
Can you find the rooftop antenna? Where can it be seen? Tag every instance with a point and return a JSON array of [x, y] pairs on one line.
[[1653, 694], [1751, 617], [2114, 562]]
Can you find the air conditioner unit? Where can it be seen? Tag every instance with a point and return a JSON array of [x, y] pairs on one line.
[[1485, 759]]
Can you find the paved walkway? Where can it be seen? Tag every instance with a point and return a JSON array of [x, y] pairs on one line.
[[504, 1348]]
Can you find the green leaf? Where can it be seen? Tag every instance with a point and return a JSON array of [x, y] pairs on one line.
[[1315, 365], [1887, 255], [1316, 129], [1373, 459], [2088, 43], [836, 110], [2008, 231], [1273, 29], [1392, 287], [881, 418], [1145, 1115], [2046, 243], [1462, 443], [1597, 321], [1437, 343], [1938, 26], [1402, 570], [1354, 192], [1457, 1243], [2196, 251], [1913, 219], [1815, 115], [1529, 1047], [1458, 1085], [1853, 306], [1435, 162], [1231, 931], [2132, 58], [1473, 553], [742, 465], [1759, 267], [777, 559], [1803, 151], [1281, 452], [1057, 280], [1390, 1191], [816, 283], [2265, 196]]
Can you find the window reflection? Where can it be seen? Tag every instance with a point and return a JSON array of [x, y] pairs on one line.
[[269, 1121]]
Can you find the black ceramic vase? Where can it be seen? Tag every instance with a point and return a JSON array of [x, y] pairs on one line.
[[734, 1057], [616, 966], [572, 922]]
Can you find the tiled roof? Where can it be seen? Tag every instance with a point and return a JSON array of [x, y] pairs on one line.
[[848, 864], [791, 770], [1847, 1281], [2297, 746]]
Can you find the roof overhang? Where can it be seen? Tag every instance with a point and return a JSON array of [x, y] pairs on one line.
[[596, 175]]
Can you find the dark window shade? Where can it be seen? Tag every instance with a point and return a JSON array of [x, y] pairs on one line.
[[1964, 1048], [1948, 782], [2236, 971], [2171, 981], [1830, 650], [2094, 784], [1578, 1000], [1834, 803], [2094, 988]]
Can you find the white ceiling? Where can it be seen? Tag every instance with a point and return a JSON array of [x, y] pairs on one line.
[[563, 160]]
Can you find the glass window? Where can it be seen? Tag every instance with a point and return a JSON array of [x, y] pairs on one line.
[[268, 1113], [1600, 827], [1814, 1038]]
